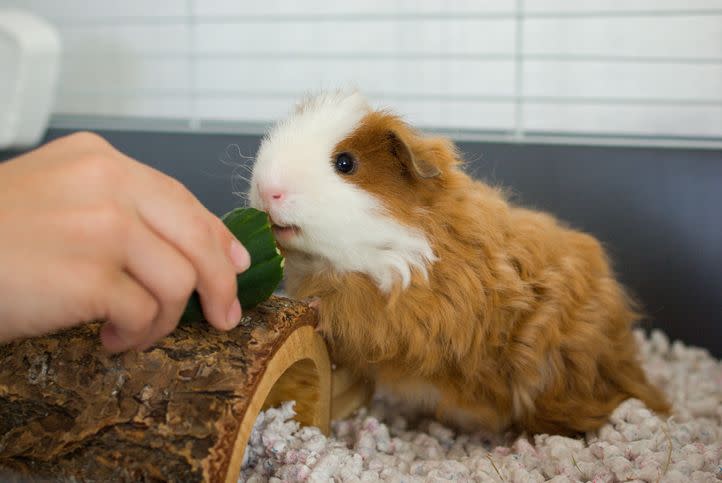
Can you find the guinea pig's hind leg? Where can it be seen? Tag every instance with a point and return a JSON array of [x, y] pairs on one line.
[[470, 419]]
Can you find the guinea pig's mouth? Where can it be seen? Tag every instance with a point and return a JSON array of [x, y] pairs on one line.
[[284, 232]]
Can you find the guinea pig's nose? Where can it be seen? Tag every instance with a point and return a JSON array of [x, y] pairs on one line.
[[272, 195]]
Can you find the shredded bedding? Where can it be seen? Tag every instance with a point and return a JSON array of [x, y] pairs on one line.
[[388, 442]]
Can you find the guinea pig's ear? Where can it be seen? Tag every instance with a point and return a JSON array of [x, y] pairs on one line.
[[419, 166]]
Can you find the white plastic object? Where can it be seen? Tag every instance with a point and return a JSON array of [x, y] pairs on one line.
[[29, 62]]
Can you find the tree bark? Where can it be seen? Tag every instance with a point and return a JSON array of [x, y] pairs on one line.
[[181, 411]]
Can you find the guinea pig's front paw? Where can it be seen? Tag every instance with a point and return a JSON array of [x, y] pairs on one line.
[[313, 302]]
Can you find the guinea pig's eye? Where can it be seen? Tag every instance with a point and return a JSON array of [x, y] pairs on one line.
[[345, 163]]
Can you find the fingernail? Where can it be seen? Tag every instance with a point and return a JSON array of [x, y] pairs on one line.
[[239, 256], [234, 314]]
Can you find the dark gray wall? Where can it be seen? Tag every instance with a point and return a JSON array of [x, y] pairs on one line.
[[657, 210]]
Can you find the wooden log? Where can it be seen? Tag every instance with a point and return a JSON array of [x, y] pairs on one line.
[[181, 411]]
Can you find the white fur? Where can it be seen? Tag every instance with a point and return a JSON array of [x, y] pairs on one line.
[[339, 222]]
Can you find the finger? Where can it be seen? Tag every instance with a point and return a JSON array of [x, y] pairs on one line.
[[178, 217], [164, 272], [130, 314]]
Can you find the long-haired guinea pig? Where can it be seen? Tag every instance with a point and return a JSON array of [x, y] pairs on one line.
[[432, 284]]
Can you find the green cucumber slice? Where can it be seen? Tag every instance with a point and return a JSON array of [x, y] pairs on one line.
[[253, 229]]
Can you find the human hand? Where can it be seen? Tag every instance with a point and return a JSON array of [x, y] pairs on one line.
[[91, 234]]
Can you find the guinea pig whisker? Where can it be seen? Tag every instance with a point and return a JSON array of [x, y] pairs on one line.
[[247, 180]]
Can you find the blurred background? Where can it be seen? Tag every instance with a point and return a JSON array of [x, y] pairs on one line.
[[510, 68], [607, 113]]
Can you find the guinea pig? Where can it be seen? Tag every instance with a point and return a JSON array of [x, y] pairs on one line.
[[434, 285]]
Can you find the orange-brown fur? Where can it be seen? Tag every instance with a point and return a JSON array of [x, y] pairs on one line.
[[521, 322]]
